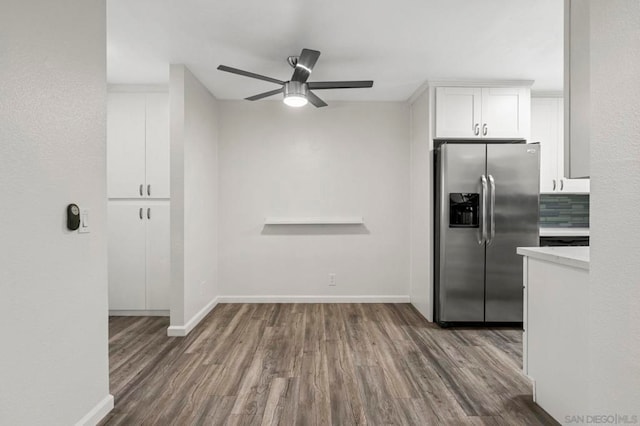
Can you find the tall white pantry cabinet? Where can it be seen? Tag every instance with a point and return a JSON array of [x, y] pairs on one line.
[[138, 205]]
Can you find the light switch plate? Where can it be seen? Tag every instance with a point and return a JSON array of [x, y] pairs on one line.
[[84, 222]]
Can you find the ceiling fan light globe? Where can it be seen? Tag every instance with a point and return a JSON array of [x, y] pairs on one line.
[[295, 101]]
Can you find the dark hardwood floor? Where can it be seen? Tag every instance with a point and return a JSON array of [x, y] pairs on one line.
[[317, 364]]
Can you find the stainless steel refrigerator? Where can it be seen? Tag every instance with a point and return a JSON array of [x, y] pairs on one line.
[[487, 204]]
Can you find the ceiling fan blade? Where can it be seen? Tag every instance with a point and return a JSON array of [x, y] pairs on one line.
[[263, 95], [249, 74], [319, 85], [316, 101], [306, 62]]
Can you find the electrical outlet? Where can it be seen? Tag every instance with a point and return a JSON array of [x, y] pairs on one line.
[[332, 279]]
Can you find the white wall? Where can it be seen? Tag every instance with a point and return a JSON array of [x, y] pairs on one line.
[[614, 326], [194, 198], [421, 206], [347, 159], [53, 282]]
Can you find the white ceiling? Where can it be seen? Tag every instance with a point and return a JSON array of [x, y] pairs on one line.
[[397, 43]]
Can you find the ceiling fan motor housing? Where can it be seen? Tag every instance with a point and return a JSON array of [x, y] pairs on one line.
[[295, 88]]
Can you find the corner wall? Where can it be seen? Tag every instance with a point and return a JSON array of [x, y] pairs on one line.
[[194, 200], [421, 206], [346, 159], [53, 282], [614, 283]]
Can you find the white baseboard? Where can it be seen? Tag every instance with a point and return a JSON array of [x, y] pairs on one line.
[[97, 413], [183, 330], [423, 310], [533, 382], [138, 313], [313, 299]]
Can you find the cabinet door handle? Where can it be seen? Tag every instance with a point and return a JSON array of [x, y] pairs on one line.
[[554, 184], [476, 129], [485, 129], [561, 184], [149, 213], [140, 213], [149, 190], [141, 193]]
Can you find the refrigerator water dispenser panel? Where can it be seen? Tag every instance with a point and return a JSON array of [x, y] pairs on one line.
[[463, 210]]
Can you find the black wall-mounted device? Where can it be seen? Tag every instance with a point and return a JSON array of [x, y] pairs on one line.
[[73, 217]]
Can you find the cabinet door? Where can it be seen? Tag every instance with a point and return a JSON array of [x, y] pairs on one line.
[[458, 112], [127, 258], [506, 113], [157, 145], [125, 144], [581, 186], [545, 113], [575, 186], [158, 256]]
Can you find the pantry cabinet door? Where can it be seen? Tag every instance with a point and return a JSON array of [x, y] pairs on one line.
[[158, 256], [545, 114], [574, 186], [458, 112], [125, 145], [127, 257], [506, 113], [157, 146]]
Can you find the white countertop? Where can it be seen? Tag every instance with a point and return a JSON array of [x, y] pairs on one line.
[[564, 232], [577, 257]]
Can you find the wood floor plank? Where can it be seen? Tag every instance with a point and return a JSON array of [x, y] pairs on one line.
[[317, 364], [217, 411], [277, 389], [344, 394], [314, 395], [433, 391], [391, 357], [415, 411], [379, 405], [357, 335], [334, 324], [521, 409]]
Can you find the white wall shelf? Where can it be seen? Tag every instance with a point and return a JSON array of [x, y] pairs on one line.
[[332, 220]]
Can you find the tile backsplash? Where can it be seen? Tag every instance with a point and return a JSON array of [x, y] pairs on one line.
[[564, 210]]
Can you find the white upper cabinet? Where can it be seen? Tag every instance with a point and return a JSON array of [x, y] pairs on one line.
[[157, 145], [482, 112], [138, 145], [506, 112], [458, 112], [125, 144], [547, 120]]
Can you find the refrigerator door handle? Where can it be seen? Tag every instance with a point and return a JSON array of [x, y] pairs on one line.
[[492, 208], [483, 231]]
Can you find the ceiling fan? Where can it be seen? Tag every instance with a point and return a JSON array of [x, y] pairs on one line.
[[297, 91]]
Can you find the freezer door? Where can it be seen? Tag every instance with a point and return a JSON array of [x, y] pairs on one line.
[[460, 257], [514, 171]]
